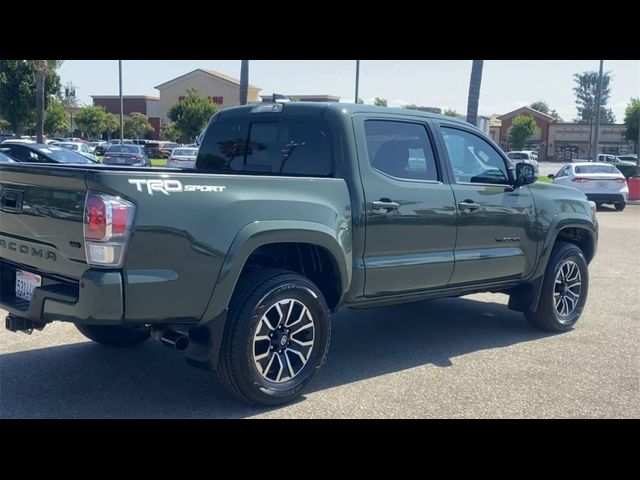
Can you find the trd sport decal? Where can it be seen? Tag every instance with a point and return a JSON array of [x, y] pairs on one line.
[[172, 186]]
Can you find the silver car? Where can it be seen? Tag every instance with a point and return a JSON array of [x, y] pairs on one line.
[[183, 157]]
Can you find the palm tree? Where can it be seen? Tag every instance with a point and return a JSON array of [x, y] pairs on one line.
[[474, 92], [41, 71], [42, 66], [244, 81]]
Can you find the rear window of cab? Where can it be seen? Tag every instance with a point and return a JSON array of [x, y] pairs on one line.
[[285, 145]]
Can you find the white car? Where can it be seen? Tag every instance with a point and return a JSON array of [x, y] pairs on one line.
[[524, 156], [183, 157], [600, 182], [613, 160], [81, 148]]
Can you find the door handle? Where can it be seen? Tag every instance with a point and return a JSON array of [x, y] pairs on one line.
[[385, 204], [469, 206]]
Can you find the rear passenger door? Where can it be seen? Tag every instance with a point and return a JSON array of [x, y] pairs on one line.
[[409, 209]]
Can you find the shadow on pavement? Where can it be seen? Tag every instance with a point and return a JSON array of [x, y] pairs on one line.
[[85, 380]]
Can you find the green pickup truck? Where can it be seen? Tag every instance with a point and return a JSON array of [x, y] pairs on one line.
[[291, 212]]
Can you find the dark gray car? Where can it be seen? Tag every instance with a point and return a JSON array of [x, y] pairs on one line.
[[132, 155]]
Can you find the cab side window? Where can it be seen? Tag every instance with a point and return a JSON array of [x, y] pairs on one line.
[[400, 149], [473, 159]]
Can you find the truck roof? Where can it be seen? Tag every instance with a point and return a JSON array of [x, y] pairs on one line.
[[346, 108]]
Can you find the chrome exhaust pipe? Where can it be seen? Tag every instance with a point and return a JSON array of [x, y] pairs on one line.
[[174, 340]]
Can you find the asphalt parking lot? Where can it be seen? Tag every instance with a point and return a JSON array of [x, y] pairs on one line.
[[469, 357]]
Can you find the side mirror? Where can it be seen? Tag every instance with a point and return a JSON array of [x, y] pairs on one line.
[[551, 176], [525, 174]]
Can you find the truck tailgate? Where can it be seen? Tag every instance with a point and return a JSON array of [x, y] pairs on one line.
[[41, 218]]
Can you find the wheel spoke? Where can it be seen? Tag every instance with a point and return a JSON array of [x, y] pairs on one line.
[[257, 358], [281, 369], [266, 369], [302, 314], [302, 344], [299, 353], [304, 327], [267, 322]]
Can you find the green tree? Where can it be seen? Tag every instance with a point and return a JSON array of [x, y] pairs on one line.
[[360, 101], [542, 106], [4, 125], [380, 102], [522, 127], [137, 125], [111, 124], [18, 92], [474, 91], [91, 120], [411, 106], [632, 119], [171, 132], [56, 119], [586, 91], [450, 112], [192, 114]]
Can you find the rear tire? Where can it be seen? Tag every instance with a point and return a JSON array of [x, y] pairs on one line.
[[276, 337], [564, 290], [620, 206], [113, 335]]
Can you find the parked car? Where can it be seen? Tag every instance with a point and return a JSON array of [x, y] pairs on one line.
[[633, 158], [81, 148], [600, 182], [523, 156], [42, 153], [165, 149], [132, 155], [240, 263], [19, 140], [533, 153], [183, 157], [5, 159], [116, 141], [99, 147], [613, 159]]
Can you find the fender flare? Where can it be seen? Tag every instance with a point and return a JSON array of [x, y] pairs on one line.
[[204, 347]]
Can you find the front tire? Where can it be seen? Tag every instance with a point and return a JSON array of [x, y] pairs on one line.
[[620, 206], [276, 337], [113, 335], [564, 290]]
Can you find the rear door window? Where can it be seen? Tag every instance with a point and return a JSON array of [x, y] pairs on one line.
[[290, 145]]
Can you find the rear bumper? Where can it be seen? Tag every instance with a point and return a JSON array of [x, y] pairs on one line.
[[607, 197], [96, 299]]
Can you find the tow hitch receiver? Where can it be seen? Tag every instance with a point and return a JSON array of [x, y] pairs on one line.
[[21, 324]]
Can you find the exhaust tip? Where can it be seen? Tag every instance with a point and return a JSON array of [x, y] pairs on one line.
[[174, 340]]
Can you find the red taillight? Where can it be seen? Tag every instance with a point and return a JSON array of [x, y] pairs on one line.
[[580, 179], [136, 157], [107, 223], [96, 213], [621, 180]]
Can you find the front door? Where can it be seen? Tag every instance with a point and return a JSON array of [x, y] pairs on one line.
[[496, 236], [410, 212]]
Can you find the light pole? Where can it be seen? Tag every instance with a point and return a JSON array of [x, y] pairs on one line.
[[357, 79], [596, 138], [121, 101]]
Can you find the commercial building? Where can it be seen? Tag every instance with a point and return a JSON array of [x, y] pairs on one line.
[[561, 141], [222, 90], [149, 106]]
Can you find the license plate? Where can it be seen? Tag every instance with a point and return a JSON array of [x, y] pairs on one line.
[[26, 283], [121, 160], [602, 184]]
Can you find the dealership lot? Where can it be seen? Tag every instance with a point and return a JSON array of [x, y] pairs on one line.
[[469, 357]]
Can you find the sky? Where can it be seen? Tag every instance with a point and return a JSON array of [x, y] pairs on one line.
[[506, 84]]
